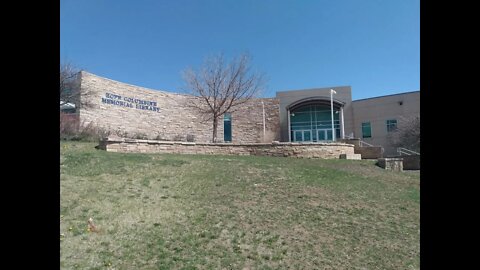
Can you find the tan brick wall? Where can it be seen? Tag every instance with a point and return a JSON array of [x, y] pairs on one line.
[[173, 120], [247, 122], [312, 150], [378, 110]]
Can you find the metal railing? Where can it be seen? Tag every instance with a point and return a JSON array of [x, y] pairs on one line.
[[405, 151], [362, 144]]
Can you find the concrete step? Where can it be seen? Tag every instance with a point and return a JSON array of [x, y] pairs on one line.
[[351, 156]]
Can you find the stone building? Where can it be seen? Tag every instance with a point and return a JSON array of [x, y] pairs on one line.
[[292, 116]]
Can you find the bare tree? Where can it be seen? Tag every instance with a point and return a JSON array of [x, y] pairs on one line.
[[70, 87], [68, 90], [221, 87], [407, 134]]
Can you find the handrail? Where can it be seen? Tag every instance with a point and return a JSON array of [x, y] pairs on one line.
[[360, 142], [364, 143], [405, 151]]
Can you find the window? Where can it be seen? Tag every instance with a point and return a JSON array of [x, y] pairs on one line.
[[391, 125], [68, 110], [366, 130], [227, 127], [311, 122]]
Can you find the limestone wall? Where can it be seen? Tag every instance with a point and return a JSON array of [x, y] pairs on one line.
[[133, 111], [299, 150], [247, 122], [393, 164]]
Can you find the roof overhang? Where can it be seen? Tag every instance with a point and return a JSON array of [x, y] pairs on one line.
[[315, 100]]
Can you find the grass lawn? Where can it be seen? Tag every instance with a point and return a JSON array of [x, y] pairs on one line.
[[234, 212]]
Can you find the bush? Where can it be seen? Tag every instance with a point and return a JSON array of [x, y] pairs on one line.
[[92, 133], [68, 125], [178, 137], [159, 137], [70, 129], [121, 133], [407, 134], [190, 138], [140, 136]]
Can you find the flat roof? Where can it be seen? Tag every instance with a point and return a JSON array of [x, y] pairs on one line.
[[313, 89], [387, 95]]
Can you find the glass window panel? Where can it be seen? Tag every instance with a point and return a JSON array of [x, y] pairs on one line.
[[307, 136], [366, 130], [321, 135], [329, 135], [311, 118], [391, 125], [298, 136], [227, 127]]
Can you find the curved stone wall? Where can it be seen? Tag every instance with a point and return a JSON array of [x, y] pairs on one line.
[[299, 150], [133, 111]]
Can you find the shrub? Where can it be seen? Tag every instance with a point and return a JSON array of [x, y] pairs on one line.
[[190, 138], [178, 137], [140, 136], [407, 134], [69, 126], [92, 133], [70, 129]]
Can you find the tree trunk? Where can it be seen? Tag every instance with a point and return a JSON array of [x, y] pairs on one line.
[[215, 127]]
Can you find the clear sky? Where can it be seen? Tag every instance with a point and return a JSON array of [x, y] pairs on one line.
[[371, 45]]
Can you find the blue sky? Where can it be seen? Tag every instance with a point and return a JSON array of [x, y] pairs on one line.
[[371, 45]]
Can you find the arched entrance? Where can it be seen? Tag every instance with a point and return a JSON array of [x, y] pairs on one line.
[[310, 120]]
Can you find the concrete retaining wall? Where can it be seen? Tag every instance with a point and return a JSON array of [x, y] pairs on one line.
[[299, 150], [393, 164], [369, 152], [411, 162]]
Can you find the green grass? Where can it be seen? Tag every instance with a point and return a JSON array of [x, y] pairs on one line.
[[234, 212]]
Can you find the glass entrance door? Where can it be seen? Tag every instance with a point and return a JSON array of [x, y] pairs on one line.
[[302, 136], [324, 135]]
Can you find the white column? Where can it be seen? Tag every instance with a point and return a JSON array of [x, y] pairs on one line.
[[342, 125], [288, 122]]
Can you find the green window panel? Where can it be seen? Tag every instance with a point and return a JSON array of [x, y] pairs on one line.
[[366, 130], [307, 136], [298, 136], [227, 127], [391, 125]]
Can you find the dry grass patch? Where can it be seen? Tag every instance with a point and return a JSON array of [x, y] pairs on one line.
[[218, 212]]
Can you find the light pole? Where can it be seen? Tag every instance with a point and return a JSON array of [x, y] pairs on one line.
[[331, 107], [263, 113]]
